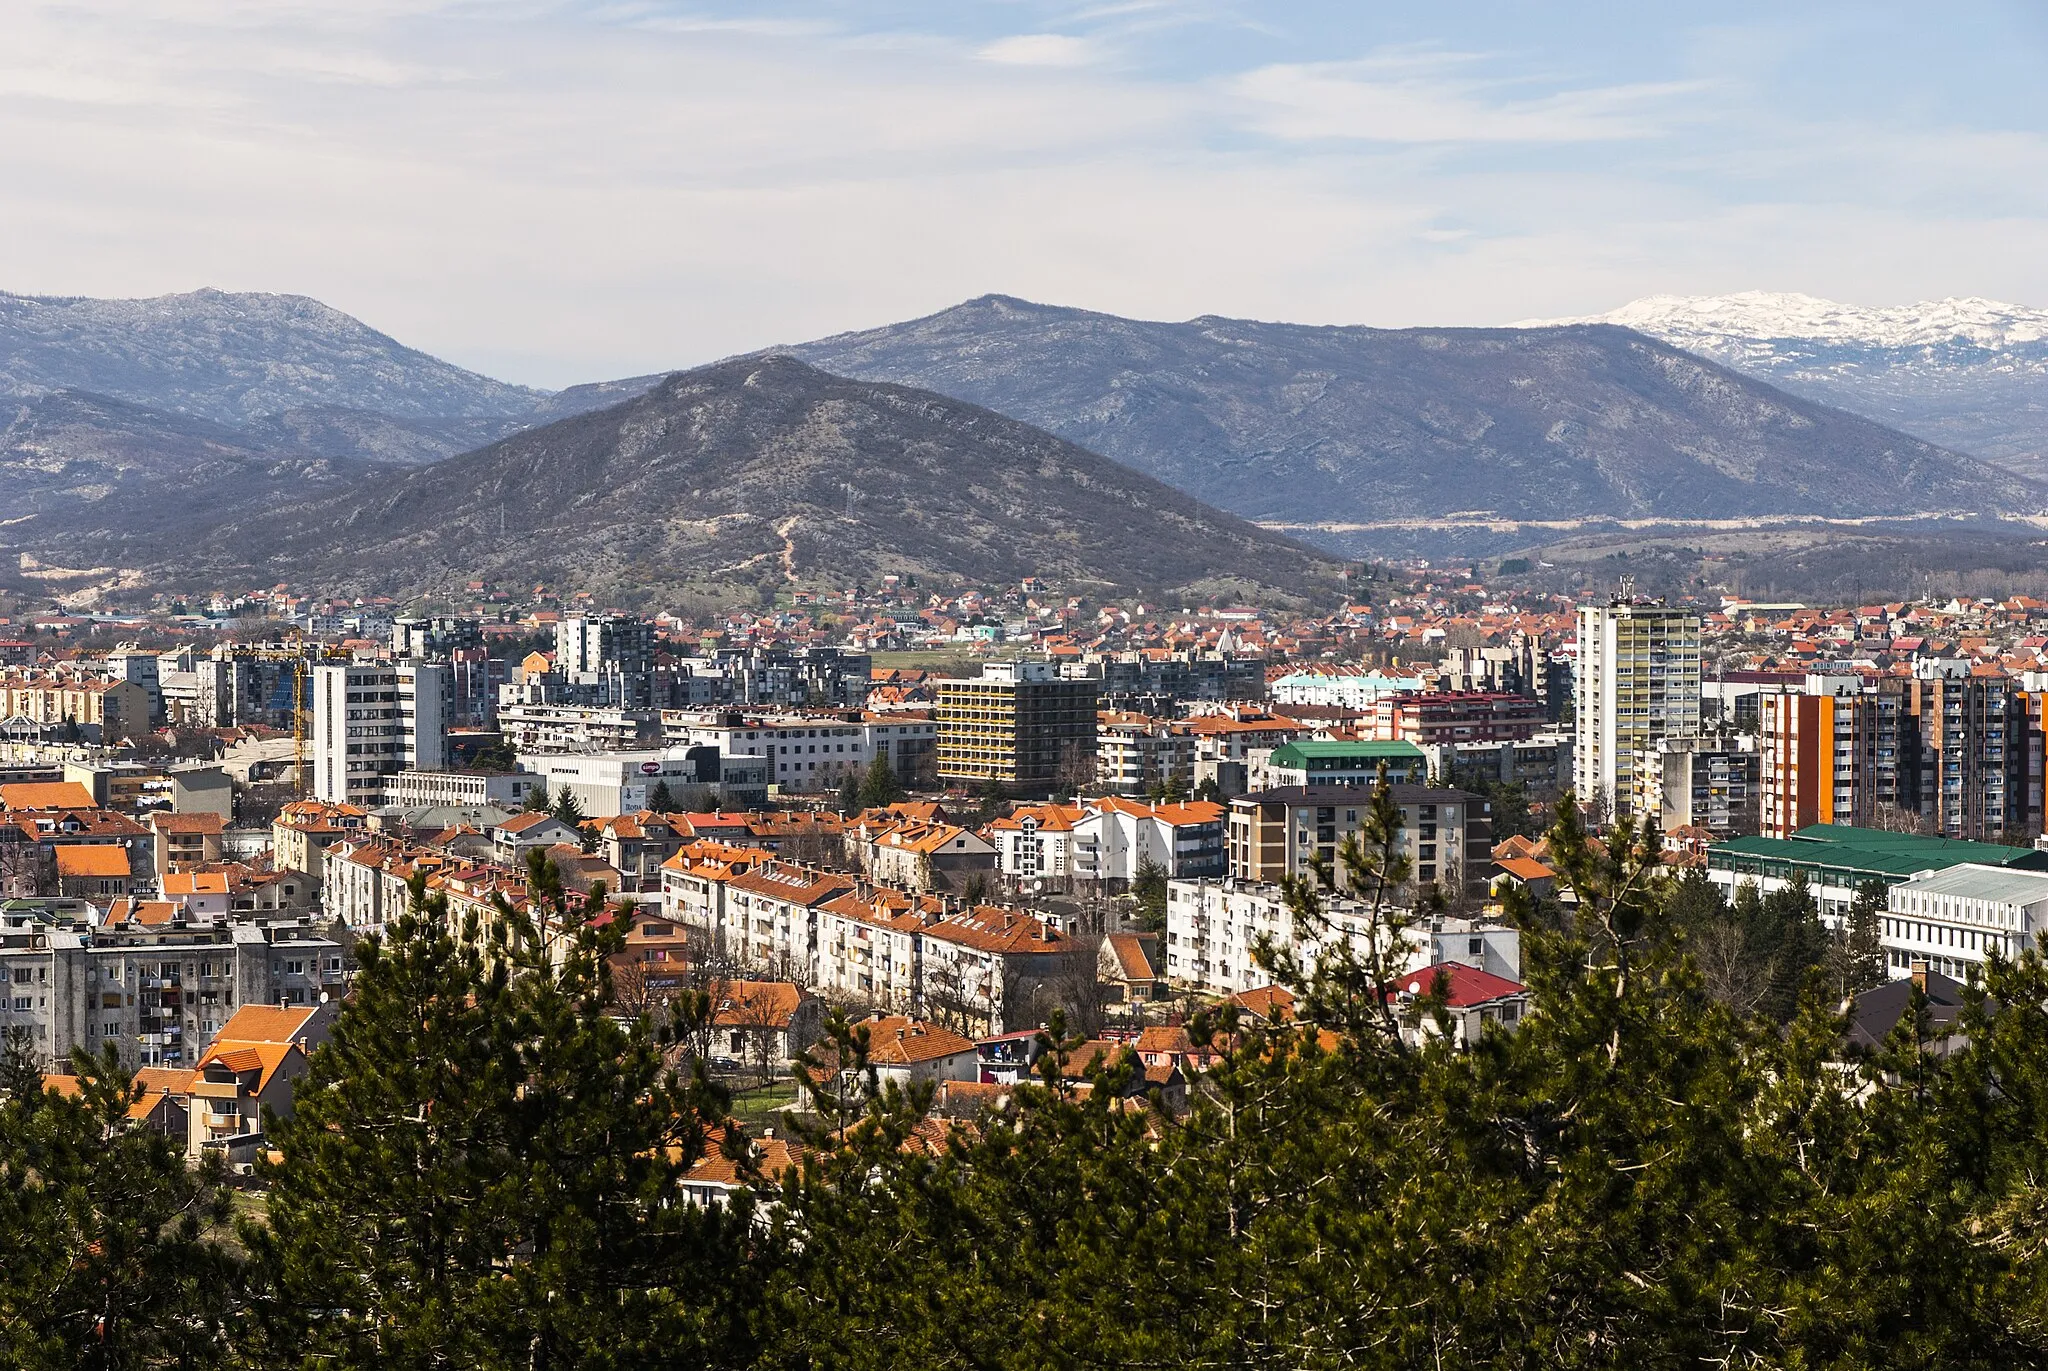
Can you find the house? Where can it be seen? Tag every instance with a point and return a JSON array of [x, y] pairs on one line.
[[92, 871], [1471, 1000], [512, 839], [902, 1051], [1876, 1012], [159, 1098], [185, 840], [764, 1024], [202, 897], [253, 1065], [305, 829], [715, 1177], [1129, 969]]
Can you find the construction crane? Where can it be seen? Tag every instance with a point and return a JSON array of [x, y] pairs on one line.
[[301, 660]]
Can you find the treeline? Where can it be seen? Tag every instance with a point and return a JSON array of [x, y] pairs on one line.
[[482, 1172]]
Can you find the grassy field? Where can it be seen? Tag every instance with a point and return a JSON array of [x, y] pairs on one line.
[[761, 1107]]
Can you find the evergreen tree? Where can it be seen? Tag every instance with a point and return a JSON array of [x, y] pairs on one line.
[[21, 1069], [880, 788], [566, 809], [1856, 955], [1149, 885], [482, 1169], [660, 800], [995, 801], [113, 1251], [537, 801], [849, 795]]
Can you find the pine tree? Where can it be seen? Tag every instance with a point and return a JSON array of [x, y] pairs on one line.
[[880, 787], [21, 1070], [482, 1168], [660, 800], [537, 801], [113, 1244], [849, 795], [1149, 885], [566, 809]]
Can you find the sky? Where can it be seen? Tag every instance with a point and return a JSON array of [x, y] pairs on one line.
[[554, 193]]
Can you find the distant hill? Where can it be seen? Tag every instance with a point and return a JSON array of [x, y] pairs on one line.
[[1969, 374], [234, 357], [760, 473], [1311, 426]]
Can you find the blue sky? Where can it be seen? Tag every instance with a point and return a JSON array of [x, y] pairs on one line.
[[560, 192]]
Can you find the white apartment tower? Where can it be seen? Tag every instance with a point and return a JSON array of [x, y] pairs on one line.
[[1639, 682], [372, 720]]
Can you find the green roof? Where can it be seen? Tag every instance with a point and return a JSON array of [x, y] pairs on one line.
[[1300, 754], [1877, 852]]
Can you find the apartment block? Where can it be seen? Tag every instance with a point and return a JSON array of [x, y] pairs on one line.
[[1638, 682], [372, 721], [1447, 835], [1018, 723]]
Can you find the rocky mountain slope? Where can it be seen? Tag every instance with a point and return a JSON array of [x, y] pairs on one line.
[[1969, 374], [1309, 426], [760, 473], [233, 358]]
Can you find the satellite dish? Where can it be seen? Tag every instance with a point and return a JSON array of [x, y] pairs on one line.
[[323, 997]]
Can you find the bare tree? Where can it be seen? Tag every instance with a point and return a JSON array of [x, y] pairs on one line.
[[1721, 951]]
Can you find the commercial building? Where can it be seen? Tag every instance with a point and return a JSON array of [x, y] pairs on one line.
[[808, 752], [1638, 682], [1953, 920], [1019, 724], [416, 789], [373, 721], [1837, 858], [1438, 717]]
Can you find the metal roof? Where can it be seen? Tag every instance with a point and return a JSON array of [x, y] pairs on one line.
[[1970, 881], [1878, 852]]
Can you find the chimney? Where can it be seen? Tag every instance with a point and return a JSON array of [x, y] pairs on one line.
[[1920, 975]]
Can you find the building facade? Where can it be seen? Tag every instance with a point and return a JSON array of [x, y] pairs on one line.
[[371, 721], [1019, 724]]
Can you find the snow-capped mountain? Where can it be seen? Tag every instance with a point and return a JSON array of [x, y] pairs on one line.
[[1970, 374]]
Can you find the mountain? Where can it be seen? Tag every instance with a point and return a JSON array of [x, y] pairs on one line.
[[77, 466], [758, 473], [1331, 428], [1968, 374], [232, 358]]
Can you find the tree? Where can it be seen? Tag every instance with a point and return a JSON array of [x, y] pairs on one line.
[[21, 1070], [482, 1164], [566, 810], [537, 801], [1856, 954], [1508, 805], [1149, 885], [113, 1243], [995, 801], [660, 800], [1209, 792], [849, 795], [880, 788]]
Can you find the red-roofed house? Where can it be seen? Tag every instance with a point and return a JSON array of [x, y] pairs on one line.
[[1471, 1000]]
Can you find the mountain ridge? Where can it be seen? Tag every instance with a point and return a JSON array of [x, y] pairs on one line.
[[1963, 372], [758, 474]]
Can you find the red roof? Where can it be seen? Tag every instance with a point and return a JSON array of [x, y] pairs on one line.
[[1464, 986]]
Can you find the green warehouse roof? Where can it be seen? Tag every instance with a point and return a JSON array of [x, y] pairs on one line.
[[1871, 851]]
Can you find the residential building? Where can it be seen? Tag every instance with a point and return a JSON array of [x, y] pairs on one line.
[[1470, 999], [1135, 753], [1447, 835], [250, 1068], [373, 721], [158, 993], [1639, 681], [1438, 717], [1709, 783], [305, 829], [1336, 762], [1019, 724], [1035, 841], [812, 753], [184, 840], [1116, 837]]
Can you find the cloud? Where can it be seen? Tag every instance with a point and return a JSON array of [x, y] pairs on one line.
[[1041, 50], [1412, 98]]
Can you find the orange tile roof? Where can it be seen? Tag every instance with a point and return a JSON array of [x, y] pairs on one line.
[[45, 795], [267, 1023], [92, 859], [196, 883]]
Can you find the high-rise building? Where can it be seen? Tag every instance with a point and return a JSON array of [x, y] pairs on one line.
[[372, 720], [1638, 682], [1953, 754], [602, 643], [1018, 723]]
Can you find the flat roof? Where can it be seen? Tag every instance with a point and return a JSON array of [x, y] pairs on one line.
[[1304, 751], [1974, 881], [1877, 851]]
